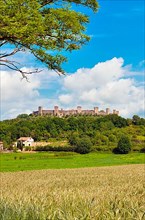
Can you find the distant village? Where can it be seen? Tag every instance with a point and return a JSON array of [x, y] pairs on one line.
[[79, 111]]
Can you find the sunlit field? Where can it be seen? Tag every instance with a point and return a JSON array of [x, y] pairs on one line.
[[62, 160], [102, 193]]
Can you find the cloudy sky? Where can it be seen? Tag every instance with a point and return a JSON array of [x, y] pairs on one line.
[[107, 72]]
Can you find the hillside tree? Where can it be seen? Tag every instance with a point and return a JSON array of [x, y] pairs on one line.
[[123, 146], [44, 28]]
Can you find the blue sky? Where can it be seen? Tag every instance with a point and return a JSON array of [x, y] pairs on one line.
[[115, 53], [117, 30]]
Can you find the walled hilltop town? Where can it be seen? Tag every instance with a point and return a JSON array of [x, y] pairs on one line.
[[79, 111]]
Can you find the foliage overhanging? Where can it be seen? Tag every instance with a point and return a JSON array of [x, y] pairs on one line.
[[45, 28]]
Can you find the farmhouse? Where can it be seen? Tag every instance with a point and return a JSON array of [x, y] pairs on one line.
[[25, 141]]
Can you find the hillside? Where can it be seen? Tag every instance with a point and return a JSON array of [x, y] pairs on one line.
[[103, 132]]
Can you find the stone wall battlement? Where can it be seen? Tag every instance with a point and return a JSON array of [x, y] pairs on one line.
[[78, 111]]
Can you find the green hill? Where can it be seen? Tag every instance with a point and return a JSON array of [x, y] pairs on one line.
[[102, 131]]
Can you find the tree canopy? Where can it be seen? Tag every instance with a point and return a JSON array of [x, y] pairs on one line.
[[45, 28]]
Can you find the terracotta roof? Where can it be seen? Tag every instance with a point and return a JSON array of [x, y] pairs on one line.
[[24, 138]]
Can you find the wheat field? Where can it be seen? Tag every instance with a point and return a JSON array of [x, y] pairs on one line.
[[103, 193]]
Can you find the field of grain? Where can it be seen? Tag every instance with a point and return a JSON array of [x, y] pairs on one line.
[[102, 193]]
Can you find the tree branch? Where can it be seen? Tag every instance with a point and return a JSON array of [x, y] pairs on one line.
[[3, 42], [46, 2], [9, 54], [12, 66]]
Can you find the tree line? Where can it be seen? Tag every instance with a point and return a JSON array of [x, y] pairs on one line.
[[101, 133]]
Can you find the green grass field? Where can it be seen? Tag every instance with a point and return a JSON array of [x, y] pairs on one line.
[[61, 160]]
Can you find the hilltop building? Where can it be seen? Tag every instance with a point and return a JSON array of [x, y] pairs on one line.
[[79, 111]]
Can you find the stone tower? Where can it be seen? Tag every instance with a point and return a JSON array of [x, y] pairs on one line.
[[79, 109], [56, 110], [114, 111], [96, 110], [40, 110], [107, 111]]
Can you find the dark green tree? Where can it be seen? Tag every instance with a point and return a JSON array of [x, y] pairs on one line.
[[136, 120], [40, 27], [124, 145], [25, 116], [83, 145], [118, 121]]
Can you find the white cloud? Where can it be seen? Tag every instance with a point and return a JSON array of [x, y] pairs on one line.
[[19, 96], [107, 84], [66, 99], [12, 86], [99, 75]]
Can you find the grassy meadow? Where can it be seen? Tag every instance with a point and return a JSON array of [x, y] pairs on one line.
[[61, 160], [101, 193]]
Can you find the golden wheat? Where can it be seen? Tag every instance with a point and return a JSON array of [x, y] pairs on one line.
[[105, 193]]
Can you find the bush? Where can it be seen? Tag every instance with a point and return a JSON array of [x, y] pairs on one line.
[[142, 150], [73, 139], [28, 148], [124, 146], [83, 145], [15, 149], [102, 148], [112, 138]]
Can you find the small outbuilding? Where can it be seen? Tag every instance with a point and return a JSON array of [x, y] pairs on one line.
[[25, 141]]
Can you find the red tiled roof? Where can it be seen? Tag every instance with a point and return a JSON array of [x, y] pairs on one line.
[[24, 138]]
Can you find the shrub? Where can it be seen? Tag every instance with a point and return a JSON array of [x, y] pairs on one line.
[[15, 149], [102, 148], [104, 140], [142, 150], [73, 138], [112, 138], [83, 145], [124, 146], [28, 148]]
